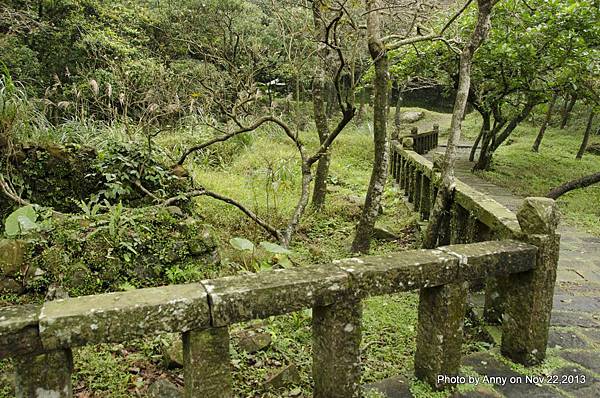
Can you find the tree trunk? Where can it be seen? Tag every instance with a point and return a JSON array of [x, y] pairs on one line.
[[497, 136], [361, 107], [321, 123], [586, 136], [575, 184], [319, 112], [540, 136], [443, 199], [567, 111], [362, 239], [485, 128], [331, 100]]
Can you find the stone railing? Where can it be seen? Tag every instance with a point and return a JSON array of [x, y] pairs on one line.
[[40, 338], [476, 217], [423, 142]]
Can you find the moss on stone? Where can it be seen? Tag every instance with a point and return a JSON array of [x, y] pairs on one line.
[[94, 254]]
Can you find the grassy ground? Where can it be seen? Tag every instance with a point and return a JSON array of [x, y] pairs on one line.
[[527, 173]]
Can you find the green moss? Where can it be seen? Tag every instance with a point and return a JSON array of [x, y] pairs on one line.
[[141, 247]]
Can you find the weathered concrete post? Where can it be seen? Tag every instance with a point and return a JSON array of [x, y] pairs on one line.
[[440, 333], [408, 144], [403, 173], [46, 375], [425, 197], [336, 350], [414, 132], [529, 296], [412, 183], [418, 188], [206, 369]]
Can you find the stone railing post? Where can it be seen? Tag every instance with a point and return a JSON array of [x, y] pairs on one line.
[[206, 361], [418, 190], [412, 183], [336, 350], [408, 144], [46, 375], [529, 295], [440, 333], [425, 197], [414, 133], [436, 134], [393, 162]]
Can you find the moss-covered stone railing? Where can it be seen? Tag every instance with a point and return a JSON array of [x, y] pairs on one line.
[[476, 217], [40, 338], [423, 142]]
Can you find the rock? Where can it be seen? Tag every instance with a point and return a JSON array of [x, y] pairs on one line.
[[411, 116], [56, 293], [34, 275], [393, 387], [8, 285], [173, 354], [252, 342], [360, 201], [78, 276], [381, 233], [162, 388], [357, 200], [538, 216], [284, 377], [12, 253], [408, 142], [175, 211]]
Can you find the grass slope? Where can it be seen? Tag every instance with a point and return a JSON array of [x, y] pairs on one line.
[[527, 173]]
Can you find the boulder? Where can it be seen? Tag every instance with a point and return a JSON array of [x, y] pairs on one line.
[[252, 342], [411, 116], [162, 388], [284, 377], [173, 353], [381, 233], [10, 286], [12, 253]]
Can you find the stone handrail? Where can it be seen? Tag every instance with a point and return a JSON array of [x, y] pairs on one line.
[[40, 337], [476, 217], [423, 142], [420, 178]]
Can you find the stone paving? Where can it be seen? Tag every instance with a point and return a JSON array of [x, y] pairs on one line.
[[574, 339]]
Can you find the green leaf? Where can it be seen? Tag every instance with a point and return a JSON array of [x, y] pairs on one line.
[[241, 244], [284, 261], [20, 221], [274, 248]]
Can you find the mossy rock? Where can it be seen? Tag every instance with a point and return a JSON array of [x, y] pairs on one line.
[[88, 255], [63, 177]]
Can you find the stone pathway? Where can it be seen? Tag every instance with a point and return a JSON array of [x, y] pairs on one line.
[[575, 324]]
